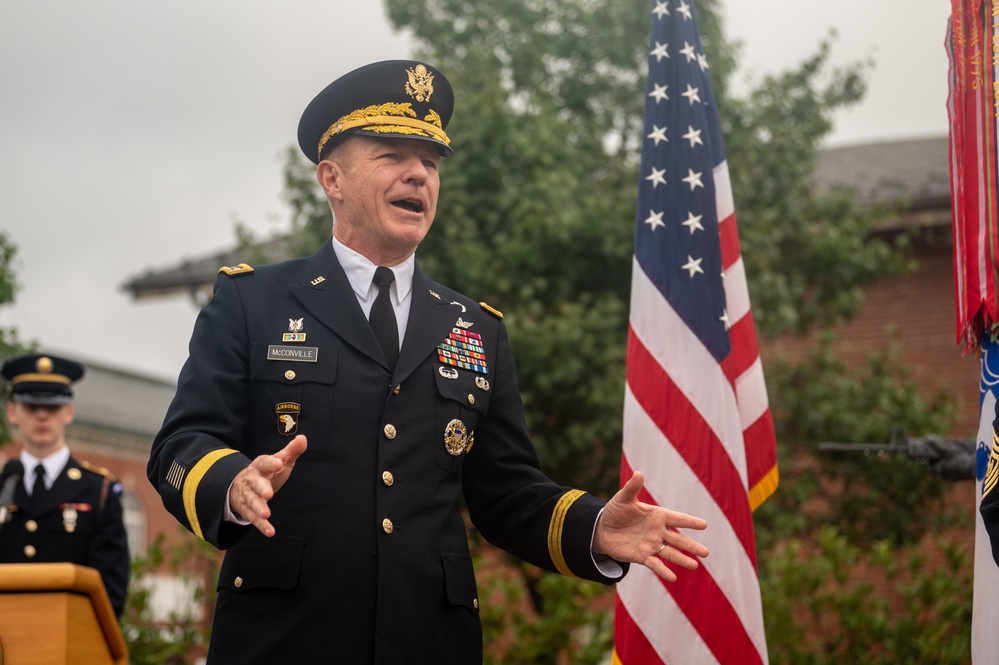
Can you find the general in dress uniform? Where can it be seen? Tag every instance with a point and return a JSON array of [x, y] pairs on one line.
[[336, 409], [65, 510]]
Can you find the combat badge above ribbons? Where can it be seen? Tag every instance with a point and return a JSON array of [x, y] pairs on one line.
[[463, 349], [288, 415]]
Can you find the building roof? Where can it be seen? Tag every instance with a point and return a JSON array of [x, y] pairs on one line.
[[913, 171]]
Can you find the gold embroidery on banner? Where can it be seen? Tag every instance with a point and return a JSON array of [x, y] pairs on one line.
[[992, 473], [421, 83]]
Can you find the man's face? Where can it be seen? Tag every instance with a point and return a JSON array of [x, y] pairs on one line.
[[42, 429], [384, 192]]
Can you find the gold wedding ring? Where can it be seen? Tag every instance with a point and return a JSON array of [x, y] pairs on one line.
[[659, 553]]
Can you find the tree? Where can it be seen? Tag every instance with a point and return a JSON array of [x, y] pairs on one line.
[[10, 344]]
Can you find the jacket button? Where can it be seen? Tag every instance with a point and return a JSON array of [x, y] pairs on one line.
[[29, 551], [475, 603], [471, 398], [387, 525], [31, 526], [397, 389], [238, 582], [290, 375], [390, 431], [388, 478]]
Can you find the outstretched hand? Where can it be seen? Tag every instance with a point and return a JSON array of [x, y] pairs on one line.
[[629, 530], [255, 485]]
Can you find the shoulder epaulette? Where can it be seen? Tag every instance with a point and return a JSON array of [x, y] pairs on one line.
[[495, 312], [241, 269], [99, 470]]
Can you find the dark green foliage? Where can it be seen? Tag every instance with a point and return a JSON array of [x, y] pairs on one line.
[[868, 497], [829, 602], [170, 640], [573, 625], [10, 344]]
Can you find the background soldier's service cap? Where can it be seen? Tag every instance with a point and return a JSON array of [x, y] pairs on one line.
[[394, 98], [41, 379]]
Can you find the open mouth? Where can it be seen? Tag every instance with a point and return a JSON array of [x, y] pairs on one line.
[[412, 205]]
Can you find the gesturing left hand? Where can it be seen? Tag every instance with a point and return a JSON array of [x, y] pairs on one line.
[[629, 530]]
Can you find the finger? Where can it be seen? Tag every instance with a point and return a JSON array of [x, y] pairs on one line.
[[630, 491], [678, 558], [685, 521], [293, 450], [656, 565], [680, 541]]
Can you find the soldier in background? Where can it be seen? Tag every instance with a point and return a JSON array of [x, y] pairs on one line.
[[64, 510]]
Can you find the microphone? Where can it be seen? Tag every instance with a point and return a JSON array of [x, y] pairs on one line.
[[13, 471]]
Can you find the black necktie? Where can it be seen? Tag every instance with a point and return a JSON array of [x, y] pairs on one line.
[[38, 489], [382, 316]]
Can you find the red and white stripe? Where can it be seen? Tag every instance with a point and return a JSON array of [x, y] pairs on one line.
[[703, 436]]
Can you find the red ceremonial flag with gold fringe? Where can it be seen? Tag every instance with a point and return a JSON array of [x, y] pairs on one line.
[[973, 126], [696, 418], [973, 110]]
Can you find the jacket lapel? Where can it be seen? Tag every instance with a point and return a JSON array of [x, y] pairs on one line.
[[430, 321], [327, 295], [63, 490]]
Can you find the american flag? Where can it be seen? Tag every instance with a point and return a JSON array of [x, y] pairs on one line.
[[696, 416], [974, 125]]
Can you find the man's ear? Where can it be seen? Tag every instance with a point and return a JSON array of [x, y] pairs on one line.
[[329, 174]]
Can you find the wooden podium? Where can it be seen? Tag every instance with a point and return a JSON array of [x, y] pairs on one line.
[[57, 613]]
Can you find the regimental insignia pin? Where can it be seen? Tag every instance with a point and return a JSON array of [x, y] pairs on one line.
[[74, 474], [454, 437], [482, 383], [318, 280], [288, 416], [434, 294], [447, 372], [295, 334], [463, 324], [69, 516]]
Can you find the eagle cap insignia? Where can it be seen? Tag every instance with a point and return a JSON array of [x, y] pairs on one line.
[[421, 83]]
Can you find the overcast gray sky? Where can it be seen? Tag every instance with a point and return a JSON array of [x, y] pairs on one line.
[[132, 134]]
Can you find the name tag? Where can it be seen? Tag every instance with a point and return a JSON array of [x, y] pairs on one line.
[[301, 354]]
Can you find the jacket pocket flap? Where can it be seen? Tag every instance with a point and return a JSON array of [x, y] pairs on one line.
[[459, 580], [262, 563]]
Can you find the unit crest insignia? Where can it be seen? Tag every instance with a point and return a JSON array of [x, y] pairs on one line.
[[288, 415]]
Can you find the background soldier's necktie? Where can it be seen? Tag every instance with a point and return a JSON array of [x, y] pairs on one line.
[[38, 489], [382, 316]]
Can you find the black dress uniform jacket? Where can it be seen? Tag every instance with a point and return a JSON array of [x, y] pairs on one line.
[[78, 520], [370, 563]]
